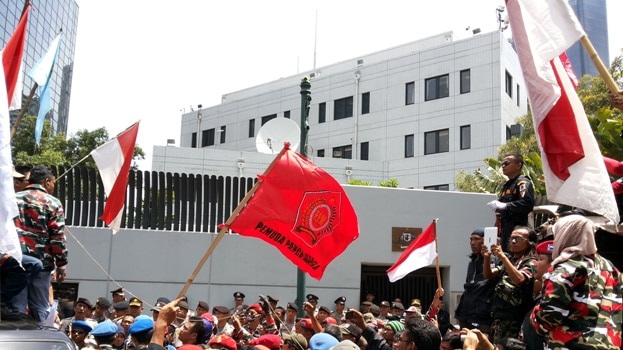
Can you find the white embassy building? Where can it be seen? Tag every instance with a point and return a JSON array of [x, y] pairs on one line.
[[418, 112]]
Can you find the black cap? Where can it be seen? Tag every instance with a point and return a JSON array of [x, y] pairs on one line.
[[134, 301], [340, 300], [272, 300], [183, 305], [103, 302], [220, 309], [398, 306], [367, 303], [204, 305], [325, 309], [84, 301], [310, 297], [384, 303], [163, 300], [122, 305], [293, 306], [479, 231], [239, 295], [118, 291]]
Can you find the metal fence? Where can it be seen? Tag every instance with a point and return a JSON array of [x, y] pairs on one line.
[[154, 200]]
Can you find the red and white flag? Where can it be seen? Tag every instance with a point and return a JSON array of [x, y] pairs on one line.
[[113, 160], [9, 242], [420, 253], [12, 61], [301, 210], [574, 171]]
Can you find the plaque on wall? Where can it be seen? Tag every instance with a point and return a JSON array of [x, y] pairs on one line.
[[403, 236]]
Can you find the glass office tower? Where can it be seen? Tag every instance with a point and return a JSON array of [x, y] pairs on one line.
[[45, 20], [594, 18]]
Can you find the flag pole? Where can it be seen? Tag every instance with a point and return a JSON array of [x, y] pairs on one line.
[[23, 110], [437, 257], [601, 68], [73, 166], [225, 226]]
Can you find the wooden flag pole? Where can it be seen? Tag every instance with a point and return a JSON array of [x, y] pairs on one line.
[[437, 257], [23, 110], [601, 68], [225, 226]]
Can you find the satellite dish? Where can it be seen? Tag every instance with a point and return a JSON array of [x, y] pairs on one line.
[[274, 133]]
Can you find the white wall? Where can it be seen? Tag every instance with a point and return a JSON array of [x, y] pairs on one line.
[[157, 263]]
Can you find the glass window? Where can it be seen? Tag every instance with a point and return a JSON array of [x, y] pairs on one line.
[[409, 146], [266, 118], [444, 187], [363, 152], [437, 141], [286, 114], [466, 137], [509, 84], [345, 152], [518, 102], [410, 93], [465, 81], [320, 153], [251, 127], [193, 140], [343, 108], [365, 103], [322, 112], [207, 138], [437, 87], [223, 130]]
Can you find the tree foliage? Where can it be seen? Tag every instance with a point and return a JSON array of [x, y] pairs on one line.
[[606, 123], [57, 150]]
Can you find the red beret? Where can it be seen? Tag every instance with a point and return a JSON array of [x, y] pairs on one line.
[[256, 307], [223, 340], [545, 247], [306, 323]]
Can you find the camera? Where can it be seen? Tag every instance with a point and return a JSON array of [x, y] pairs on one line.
[[349, 315]]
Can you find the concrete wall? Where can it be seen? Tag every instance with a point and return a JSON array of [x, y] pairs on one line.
[[150, 264]]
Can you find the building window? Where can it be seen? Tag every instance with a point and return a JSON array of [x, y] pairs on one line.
[[251, 127], [344, 152], [437, 141], [286, 114], [437, 87], [466, 137], [320, 153], [207, 138], [410, 93], [409, 146], [365, 103], [445, 187], [363, 151], [322, 112], [343, 108], [465, 81], [266, 118], [223, 129], [518, 95], [193, 140], [509, 84]]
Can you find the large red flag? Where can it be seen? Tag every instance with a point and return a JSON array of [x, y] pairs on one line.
[[113, 160], [420, 253], [302, 211], [12, 57], [574, 171]]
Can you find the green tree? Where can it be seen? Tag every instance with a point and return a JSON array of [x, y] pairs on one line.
[[393, 183], [56, 150]]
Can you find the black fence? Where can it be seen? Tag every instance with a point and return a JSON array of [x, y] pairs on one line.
[[154, 200]]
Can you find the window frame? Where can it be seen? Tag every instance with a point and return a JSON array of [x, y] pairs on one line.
[[433, 87], [410, 93], [410, 146], [437, 140], [343, 108], [465, 81]]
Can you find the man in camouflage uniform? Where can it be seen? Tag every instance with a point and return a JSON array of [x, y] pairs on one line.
[[512, 296], [582, 304], [41, 225], [516, 200]]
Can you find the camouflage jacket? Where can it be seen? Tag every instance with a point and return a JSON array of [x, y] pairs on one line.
[[41, 226], [581, 306]]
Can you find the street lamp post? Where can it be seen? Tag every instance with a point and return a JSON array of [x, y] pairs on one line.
[[199, 116]]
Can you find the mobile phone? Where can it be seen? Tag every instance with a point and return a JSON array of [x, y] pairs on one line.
[[349, 315], [491, 236]]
